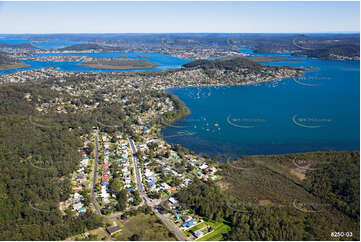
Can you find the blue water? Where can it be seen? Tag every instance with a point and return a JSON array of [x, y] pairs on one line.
[[320, 111], [248, 51], [12, 41], [46, 44], [164, 62]]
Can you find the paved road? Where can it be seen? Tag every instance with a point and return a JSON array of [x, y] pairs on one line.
[[144, 196], [138, 176], [94, 185], [95, 176]]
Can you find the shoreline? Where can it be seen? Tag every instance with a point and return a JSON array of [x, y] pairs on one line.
[[250, 83]]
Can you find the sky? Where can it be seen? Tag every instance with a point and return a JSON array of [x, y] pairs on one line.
[[179, 17]]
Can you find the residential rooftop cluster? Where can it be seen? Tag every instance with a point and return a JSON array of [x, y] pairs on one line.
[[80, 181]]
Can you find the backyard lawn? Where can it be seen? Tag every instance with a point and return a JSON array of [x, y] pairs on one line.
[[218, 230]]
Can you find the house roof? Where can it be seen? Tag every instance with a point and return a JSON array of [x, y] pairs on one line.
[[114, 229]]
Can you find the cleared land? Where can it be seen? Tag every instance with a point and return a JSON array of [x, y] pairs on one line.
[[144, 227], [118, 63]]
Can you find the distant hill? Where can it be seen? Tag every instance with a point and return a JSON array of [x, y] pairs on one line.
[[7, 62], [235, 70], [82, 47], [333, 52], [5, 59], [18, 46], [229, 63]]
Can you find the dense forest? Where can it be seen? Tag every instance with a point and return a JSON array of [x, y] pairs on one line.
[[35, 163], [39, 151], [332, 52], [263, 201], [228, 65], [224, 64]]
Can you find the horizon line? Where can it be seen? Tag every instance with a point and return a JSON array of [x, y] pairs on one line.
[[333, 32]]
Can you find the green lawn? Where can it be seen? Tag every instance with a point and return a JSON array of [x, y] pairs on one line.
[[217, 234], [188, 232]]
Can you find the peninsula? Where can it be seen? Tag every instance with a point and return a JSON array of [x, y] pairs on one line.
[[7, 63]]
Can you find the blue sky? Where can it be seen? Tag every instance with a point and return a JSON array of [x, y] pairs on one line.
[[178, 17]]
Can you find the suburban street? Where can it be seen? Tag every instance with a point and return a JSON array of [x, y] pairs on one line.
[[95, 176], [144, 196], [139, 185]]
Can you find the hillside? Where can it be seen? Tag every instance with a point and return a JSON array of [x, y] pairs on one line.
[[7, 62], [18, 46], [338, 52], [237, 70], [233, 64], [5, 59], [83, 47]]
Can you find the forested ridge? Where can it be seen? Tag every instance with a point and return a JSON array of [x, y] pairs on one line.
[[225, 63], [29, 205], [332, 52]]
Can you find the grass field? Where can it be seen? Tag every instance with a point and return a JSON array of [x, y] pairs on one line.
[[145, 227]]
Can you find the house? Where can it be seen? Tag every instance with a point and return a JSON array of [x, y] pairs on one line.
[[148, 173], [125, 154], [171, 189], [172, 200], [186, 218], [198, 233], [213, 170], [106, 159], [84, 162], [165, 186], [127, 181], [187, 181], [151, 182], [189, 223], [203, 166], [104, 138], [77, 206], [113, 230], [82, 210], [77, 195], [153, 188], [105, 178]]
